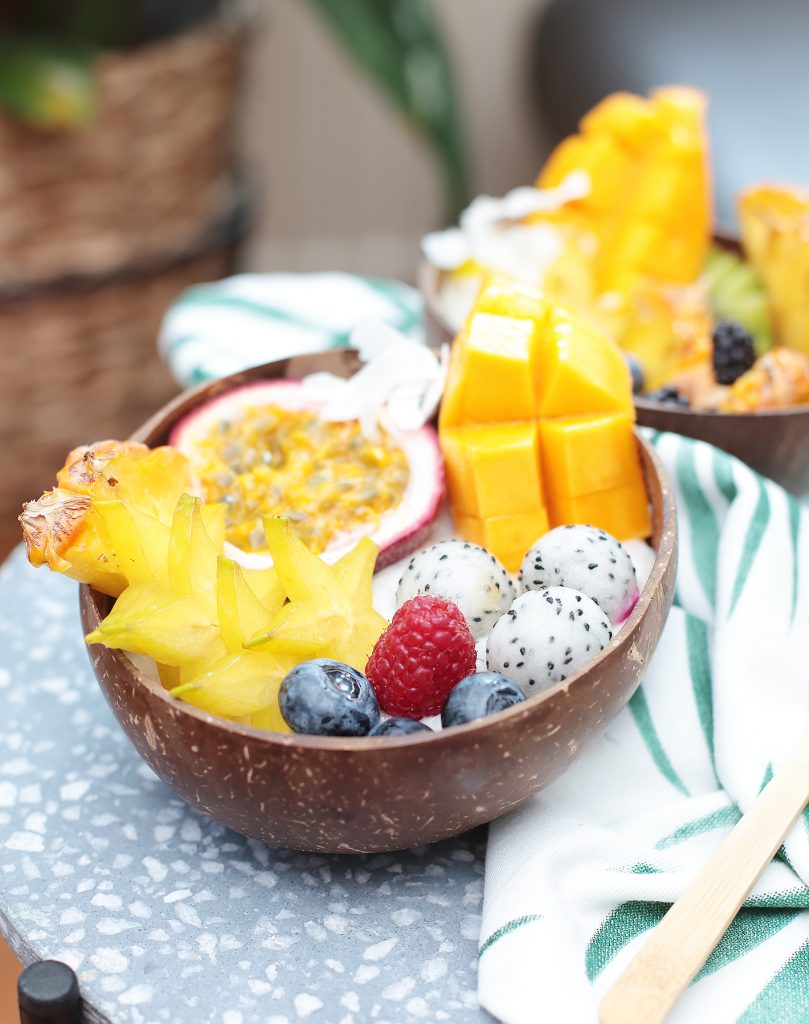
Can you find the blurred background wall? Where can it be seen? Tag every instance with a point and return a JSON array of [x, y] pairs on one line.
[[347, 185]]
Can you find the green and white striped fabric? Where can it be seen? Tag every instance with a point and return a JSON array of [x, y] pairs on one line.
[[577, 877], [216, 329]]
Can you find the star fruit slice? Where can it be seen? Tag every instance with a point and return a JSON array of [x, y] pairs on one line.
[[241, 684], [169, 611], [330, 613]]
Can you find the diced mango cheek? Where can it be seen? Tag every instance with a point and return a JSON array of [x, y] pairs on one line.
[[507, 537], [587, 454], [493, 471], [459, 481], [582, 371], [623, 511], [570, 155], [496, 377], [505, 296], [625, 117]]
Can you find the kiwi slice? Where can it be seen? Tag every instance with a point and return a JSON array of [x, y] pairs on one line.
[[735, 292]]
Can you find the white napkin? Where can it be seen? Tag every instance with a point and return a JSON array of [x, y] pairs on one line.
[[576, 877]]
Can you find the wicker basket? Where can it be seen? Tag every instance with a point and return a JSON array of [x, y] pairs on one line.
[[138, 182], [78, 361]]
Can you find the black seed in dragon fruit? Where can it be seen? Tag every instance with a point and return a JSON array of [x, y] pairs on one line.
[[589, 560], [468, 575], [546, 636]]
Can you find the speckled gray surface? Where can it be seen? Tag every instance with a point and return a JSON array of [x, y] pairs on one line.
[[169, 917]]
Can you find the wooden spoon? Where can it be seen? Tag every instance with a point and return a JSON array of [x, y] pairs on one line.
[[685, 938]]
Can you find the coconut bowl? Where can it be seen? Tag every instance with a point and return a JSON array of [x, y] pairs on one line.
[[331, 794], [775, 443]]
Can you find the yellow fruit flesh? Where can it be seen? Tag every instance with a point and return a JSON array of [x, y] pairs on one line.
[[101, 488], [583, 454], [180, 601], [271, 460], [493, 471], [775, 235], [570, 449], [495, 377], [507, 537], [649, 204], [330, 613], [581, 370], [63, 531]]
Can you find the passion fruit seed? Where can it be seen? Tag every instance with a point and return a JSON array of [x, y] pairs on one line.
[[325, 477]]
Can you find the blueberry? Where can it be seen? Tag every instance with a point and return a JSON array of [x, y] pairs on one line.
[[328, 698], [638, 376], [479, 695], [399, 727]]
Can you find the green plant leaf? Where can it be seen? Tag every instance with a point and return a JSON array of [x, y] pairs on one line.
[[397, 43], [46, 84]]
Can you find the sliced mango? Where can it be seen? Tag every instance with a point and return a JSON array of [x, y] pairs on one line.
[[623, 511], [508, 537], [580, 370], [495, 470], [506, 297], [649, 206], [516, 466], [775, 233], [585, 454], [494, 374]]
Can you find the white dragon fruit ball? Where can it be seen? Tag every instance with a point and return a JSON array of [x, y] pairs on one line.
[[546, 636], [587, 559], [468, 575]]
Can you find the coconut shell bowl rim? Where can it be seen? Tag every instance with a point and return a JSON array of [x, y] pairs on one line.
[[154, 432]]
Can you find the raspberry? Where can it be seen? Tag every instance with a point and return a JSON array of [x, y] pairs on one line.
[[422, 654]]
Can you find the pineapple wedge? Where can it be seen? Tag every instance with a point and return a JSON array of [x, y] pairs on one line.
[[775, 236], [106, 523], [65, 532]]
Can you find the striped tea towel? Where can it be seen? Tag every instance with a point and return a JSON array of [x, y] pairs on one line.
[[216, 329], [576, 877]]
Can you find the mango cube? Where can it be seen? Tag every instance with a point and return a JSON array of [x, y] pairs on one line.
[[493, 470], [509, 537], [581, 370], [585, 454], [623, 511], [494, 377], [537, 426], [507, 297], [649, 206]]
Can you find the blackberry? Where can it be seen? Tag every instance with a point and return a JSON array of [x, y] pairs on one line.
[[668, 394], [733, 351]]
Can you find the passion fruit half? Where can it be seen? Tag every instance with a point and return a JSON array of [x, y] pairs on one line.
[[267, 449]]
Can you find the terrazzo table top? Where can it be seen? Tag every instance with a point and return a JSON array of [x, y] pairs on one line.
[[167, 916]]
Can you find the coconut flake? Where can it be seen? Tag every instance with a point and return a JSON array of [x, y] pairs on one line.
[[399, 387], [453, 247]]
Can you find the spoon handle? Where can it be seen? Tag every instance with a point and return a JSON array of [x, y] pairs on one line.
[[685, 938]]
